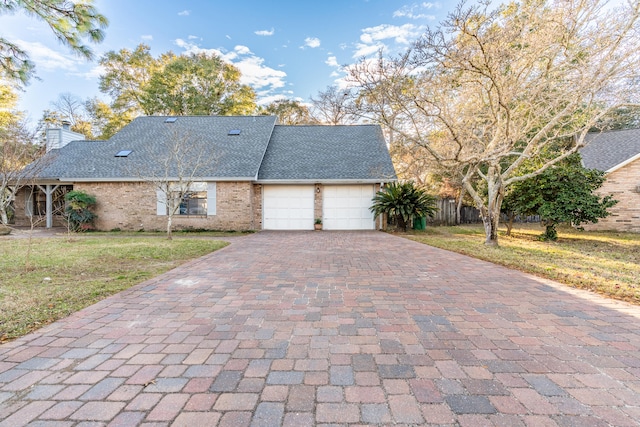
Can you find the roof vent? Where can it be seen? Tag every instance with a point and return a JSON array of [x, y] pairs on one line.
[[170, 119], [123, 153], [234, 132]]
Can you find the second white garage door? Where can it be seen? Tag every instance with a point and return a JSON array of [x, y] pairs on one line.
[[287, 207], [346, 207]]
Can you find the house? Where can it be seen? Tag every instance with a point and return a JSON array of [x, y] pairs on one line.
[[245, 173], [618, 154]]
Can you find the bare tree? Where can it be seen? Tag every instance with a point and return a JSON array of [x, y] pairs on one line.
[[491, 88], [17, 150], [334, 106], [175, 166]]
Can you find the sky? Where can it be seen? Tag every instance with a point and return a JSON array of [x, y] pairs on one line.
[[284, 48]]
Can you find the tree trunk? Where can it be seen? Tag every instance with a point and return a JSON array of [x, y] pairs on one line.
[[491, 212], [402, 224], [169, 218], [512, 216], [4, 218], [490, 220], [459, 207]]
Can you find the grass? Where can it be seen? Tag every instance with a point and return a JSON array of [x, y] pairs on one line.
[[64, 275], [603, 262]]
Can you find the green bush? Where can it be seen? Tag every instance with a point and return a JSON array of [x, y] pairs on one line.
[[78, 211]]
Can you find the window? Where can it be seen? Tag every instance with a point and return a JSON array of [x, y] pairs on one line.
[[234, 132], [170, 119], [198, 199], [123, 153]]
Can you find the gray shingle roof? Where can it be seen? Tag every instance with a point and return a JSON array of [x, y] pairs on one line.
[[150, 138], [607, 150], [357, 152], [262, 149]]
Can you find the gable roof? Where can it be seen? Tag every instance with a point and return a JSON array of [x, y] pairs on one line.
[[227, 148], [327, 153], [608, 151], [221, 156]]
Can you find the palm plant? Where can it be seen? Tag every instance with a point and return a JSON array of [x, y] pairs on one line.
[[404, 202]]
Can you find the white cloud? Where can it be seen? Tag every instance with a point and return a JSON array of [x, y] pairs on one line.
[[242, 50], [193, 37], [258, 75], [147, 37], [416, 11], [368, 49], [184, 13], [48, 59], [374, 39], [312, 42], [265, 32], [400, 34], [332, 61]]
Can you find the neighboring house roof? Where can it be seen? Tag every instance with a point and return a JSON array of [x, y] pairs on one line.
[[326, 153], [608, 151], [203, 140], [261, 150]]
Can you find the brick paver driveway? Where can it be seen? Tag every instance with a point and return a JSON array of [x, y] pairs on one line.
[[333, 328]]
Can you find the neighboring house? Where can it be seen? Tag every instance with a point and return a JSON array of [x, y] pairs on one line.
[[250, 174], [618, 154]]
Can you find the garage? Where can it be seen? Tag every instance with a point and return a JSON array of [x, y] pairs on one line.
[[346, 207], [288, 207]]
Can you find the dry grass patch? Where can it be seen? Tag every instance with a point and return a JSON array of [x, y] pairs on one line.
[[64, 275], [604, 262]]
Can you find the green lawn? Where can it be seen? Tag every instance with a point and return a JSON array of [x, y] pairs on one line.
[[604, 262], [50, 278]]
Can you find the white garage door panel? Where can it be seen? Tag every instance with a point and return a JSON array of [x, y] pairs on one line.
[[346, 207], [288, 207]]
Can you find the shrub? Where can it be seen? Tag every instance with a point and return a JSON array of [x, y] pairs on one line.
[[404, 202], [78, 211]]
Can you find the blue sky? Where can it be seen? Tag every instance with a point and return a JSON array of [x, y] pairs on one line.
[[289, 49]]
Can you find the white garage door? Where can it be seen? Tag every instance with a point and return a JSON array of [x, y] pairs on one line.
[[287, 207], [346, 207]]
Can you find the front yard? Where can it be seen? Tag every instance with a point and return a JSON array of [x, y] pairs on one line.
[[604, 262], [50, 278]]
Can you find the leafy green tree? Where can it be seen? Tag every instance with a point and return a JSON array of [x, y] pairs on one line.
[[289, 112], [198, 84], [105, 121], [72, 22], [127, 74], [404, 202], [562, 193], [79, 210]]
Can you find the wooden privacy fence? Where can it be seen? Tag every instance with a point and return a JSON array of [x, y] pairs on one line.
[[446, 214]]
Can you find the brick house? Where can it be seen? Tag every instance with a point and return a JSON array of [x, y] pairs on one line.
[[618, 154], [244, 173]]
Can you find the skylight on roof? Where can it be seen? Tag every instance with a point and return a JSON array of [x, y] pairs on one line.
[[170, 119], [235, 131], [123, 153]]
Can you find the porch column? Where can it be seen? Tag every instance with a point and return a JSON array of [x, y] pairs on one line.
[[48, 191]]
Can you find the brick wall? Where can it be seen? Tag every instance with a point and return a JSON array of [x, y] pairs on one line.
[[318, 193], [132, 206], [625, 216], [257, 206]]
